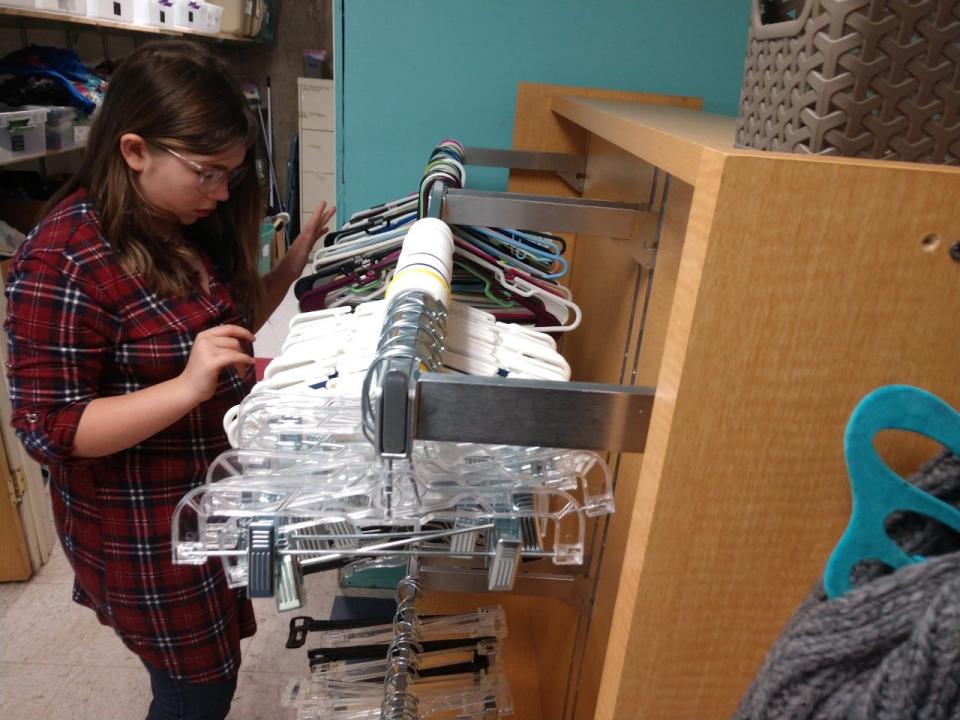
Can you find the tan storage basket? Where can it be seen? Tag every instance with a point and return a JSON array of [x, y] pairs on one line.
[[862, 78]]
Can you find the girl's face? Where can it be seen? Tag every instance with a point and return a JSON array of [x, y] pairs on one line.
[[182, 183]]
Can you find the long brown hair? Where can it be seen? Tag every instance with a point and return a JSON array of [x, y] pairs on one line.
[[178, 94]]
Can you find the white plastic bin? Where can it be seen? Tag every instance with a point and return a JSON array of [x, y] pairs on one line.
[[154, 13], [188, 14], [32, 4], [59, 130], [74, 7], [22, 132], [118, 10], [212, 15]]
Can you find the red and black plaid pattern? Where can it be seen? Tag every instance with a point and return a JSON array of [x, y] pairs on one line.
[[79, 327]]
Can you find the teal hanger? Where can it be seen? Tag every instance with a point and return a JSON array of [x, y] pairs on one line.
[[877, 490]]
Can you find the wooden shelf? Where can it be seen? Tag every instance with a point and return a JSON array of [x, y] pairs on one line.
[[671, 138], [786, 287], [41, 156], [67, 19]]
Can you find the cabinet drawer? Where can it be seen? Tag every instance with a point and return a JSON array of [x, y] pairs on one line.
[[317, 107], [317, 187], [318, 151]]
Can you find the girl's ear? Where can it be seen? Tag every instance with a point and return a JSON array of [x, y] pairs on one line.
[[134, 151]]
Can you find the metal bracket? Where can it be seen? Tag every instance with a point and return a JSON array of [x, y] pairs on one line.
[[571, 168], [584, 416], [537, 212]]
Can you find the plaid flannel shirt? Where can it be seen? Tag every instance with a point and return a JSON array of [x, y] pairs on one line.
[[79, 327]]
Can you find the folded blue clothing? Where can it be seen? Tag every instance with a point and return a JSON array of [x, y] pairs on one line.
[[63, 65]]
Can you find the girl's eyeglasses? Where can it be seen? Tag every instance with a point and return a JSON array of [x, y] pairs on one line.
[[209, 178]]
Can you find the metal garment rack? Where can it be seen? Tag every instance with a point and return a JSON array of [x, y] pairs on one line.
[[404, 401], [588, 416], [429, 406], [414, 405]]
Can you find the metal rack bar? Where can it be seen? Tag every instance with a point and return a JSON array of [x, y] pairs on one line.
[[537, 212], [586, 416], [571, 168]]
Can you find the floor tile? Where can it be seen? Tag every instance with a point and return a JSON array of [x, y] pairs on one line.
[[56, 571], [258, 697], [90, 693], [44, 626], [9, 593], [266, 651], [26, 691], [105, 649]]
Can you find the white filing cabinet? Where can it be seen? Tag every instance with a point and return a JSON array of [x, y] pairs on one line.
[[318, 145]]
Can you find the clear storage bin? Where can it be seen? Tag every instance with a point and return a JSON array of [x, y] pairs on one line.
[[59, 130], [22, 132], [81, 132], [188, 14], [118, 10], [154, 13], [74, 7]]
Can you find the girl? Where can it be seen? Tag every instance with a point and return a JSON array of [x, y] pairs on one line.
[[129, 318]]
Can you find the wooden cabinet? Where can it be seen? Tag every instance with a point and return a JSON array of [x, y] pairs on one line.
[[27, 532], [763, 295]]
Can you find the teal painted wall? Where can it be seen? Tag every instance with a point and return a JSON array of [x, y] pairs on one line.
[[412, 72]]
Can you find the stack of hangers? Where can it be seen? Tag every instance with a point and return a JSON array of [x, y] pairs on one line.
[[306, 486], [458, 662], [510, 273]]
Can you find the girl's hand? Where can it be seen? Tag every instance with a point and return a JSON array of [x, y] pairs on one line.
[[316, 227], [212, 351]]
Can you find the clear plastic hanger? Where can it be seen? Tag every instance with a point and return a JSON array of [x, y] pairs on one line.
[[376, 669], [485, 622]]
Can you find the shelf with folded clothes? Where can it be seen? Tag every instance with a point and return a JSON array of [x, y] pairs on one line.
[[21, 15]]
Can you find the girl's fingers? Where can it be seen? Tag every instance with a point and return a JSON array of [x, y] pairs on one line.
[[229, 357], [230, 331], [226, 343]]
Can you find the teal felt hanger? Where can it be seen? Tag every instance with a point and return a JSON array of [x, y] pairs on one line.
[[877, 490]]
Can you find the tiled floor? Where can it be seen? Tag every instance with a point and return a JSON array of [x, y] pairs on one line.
[[58, 663]]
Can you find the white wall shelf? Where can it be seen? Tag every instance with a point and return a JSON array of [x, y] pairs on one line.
[[67, 19], [40, 156]]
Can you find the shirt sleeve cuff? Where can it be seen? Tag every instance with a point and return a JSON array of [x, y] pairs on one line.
[[48, 436]]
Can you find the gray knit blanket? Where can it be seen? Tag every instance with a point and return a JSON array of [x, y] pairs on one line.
[[889, 649]]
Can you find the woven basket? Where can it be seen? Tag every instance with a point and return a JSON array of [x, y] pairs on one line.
[[862, 78]]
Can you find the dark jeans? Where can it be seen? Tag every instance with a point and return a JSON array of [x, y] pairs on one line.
[[179, 700]]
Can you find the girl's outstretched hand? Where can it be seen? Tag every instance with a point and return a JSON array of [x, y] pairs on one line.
[[316, 228]]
